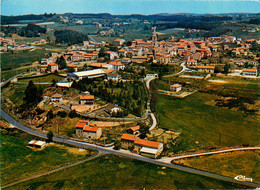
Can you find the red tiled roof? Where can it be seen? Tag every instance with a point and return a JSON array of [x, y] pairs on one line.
[[249, 70], [87, 97], [90, 129], [136, 128], [205, 67], [52, 64], [56, 95], [147, 143], [115, 63], [128, 137], [176, 85]]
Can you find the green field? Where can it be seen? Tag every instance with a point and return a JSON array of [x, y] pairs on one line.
[[230, 164], [46, 78], [19, 161], [9, 73], [199, 121], [112, 172], [21, 58]]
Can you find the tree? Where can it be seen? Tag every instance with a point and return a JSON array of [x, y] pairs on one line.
[[61, 62], [217, 69], [101, 53], [226, 68], [50, 115], [32, 94], [73, 114], [117, 145], [53, 83], [144, 129], [50, 136]]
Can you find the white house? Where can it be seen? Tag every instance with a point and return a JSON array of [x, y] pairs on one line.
[[37, 144], [52, 67], [56, 98], [119, 42], [113, 76], [249, 72], [116, 65], [175, 87]]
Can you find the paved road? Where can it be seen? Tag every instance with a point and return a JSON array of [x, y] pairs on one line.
[[124, 153], [50, 172], [169, 159], [183, 69], [93, 39]]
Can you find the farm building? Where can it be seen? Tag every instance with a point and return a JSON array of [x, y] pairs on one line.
[[175, 87], [37, 144], [141, 146], [86, 74], [87, 130], [56, 98], [249, 72], [86, 99]]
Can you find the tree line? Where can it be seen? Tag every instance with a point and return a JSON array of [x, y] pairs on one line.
[[131, 96]]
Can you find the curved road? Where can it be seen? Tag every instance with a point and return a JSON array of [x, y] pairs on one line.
[[126, 154], [169, 159]]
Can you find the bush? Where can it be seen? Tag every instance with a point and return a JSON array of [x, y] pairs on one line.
[[73, 114], [62, 114]]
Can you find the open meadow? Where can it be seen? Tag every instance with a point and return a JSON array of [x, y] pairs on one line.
[[228, 164], [211, 126], [19, 161], [113, 172]]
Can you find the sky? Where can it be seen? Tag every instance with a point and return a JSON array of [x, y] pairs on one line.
[[20, 7]]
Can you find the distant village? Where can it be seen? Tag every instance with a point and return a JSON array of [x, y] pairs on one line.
[[203, 56]]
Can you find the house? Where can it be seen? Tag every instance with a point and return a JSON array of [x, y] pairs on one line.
[[127, 141], [113, 76], [87, 130], [119, 42], [191, 62], [126, 60], [141, 146], [250, 72], [52, 67], [37, 144], [116, 65], [44, 61], [56, 98], [92, 132], [134, 130], [86, 99], [148, 148], [110, 109], [175, 87], [72, 68], [206, 69], [139, 59]]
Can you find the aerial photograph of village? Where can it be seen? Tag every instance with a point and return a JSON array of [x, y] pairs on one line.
[[130, 94]]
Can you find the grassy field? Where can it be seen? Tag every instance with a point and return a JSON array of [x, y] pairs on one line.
[[19, 161], [112, 172], [229, 164], [198, 121], [14, 92], [9, 73], [21, 58], [47, 78]]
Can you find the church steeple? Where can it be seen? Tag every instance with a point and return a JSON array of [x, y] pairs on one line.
[[154, 38]]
